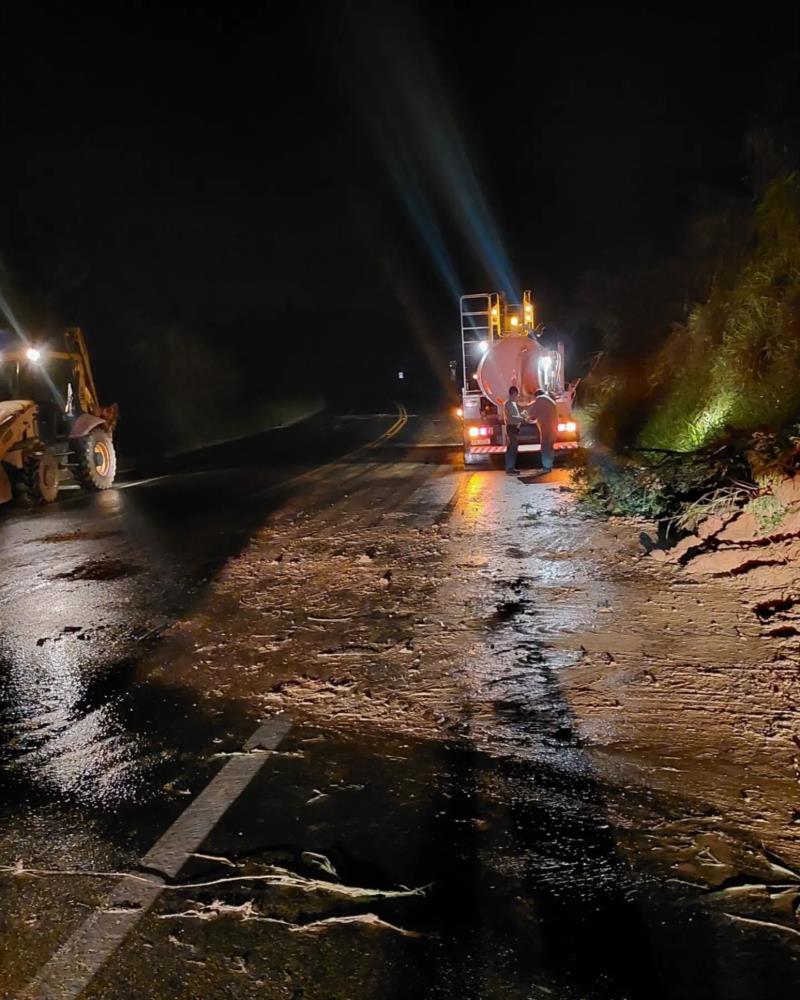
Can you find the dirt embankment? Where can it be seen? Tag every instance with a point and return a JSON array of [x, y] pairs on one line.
[[759, 543]]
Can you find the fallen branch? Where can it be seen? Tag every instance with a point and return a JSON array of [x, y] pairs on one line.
[[248, 913], [762, 923], [280, 877]]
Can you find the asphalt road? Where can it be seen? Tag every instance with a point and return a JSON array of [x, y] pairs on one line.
[[90, 583], [465, 787]]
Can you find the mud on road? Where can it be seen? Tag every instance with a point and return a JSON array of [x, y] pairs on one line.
[[524, 760]]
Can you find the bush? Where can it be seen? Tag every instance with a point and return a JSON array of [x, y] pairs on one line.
[[733, 365], [645, 484]]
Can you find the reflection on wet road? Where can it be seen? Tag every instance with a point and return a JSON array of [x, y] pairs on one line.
[[479, 797], [89, 585], [85, 590]]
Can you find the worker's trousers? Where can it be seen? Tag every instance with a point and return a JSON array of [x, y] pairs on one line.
[[548, 452], [511, 447]]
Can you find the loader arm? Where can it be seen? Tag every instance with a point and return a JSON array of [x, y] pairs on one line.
[[76, 345]]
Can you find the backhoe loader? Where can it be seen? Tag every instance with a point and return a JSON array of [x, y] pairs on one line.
[[53, 430]]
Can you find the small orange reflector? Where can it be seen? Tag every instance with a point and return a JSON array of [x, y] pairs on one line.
[[459, 412]]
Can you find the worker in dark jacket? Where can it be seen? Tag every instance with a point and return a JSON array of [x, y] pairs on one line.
[[544, 411], [514, 420]]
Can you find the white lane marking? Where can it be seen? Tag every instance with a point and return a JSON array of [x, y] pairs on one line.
[[77, 962], [143, 482]]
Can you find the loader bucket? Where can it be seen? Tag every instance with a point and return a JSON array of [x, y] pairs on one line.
[[16, 416], [17, 419], [5, 486]]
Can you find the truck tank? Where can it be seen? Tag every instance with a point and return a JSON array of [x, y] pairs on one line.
[[509, 361]]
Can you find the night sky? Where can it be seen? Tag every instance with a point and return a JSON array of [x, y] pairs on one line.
[[308, 192]]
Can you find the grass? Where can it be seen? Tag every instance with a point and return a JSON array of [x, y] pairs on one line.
[[714, 413], [735, 363]]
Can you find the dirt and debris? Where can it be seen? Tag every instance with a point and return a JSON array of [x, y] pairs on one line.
[[757, 549], [80, 535], [523, 613], [100, 569], [584, 753]]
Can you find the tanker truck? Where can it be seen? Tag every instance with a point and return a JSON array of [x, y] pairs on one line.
[[500, 347]]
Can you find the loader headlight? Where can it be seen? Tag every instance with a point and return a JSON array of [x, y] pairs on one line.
[[33, 354]]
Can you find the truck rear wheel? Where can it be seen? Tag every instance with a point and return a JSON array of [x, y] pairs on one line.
[[96, 460], [40, 479]]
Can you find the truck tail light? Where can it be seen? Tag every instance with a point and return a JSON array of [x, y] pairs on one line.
[[569, 427]]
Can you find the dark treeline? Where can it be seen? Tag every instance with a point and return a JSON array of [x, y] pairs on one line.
[[705, 342]]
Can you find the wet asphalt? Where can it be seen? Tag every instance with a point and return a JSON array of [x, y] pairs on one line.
[[503, 877]]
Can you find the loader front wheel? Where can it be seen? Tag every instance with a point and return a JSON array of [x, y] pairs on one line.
[[96, 460], [40, 479]]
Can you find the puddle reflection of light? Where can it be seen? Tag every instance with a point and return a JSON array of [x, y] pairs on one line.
[[55, 684], [475, 505], [60, 741], [109, 501]]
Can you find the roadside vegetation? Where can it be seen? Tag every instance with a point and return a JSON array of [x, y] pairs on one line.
[[711, 418]]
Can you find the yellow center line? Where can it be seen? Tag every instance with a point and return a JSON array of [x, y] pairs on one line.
[[397, 426]]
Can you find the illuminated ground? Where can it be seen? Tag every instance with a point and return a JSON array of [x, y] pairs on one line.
[[584, 761]]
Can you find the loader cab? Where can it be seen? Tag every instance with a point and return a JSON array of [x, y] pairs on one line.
[[48, 382], [8, 382]]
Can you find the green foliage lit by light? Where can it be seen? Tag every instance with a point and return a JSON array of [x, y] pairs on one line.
[[735, 363]]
